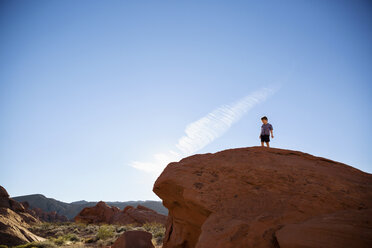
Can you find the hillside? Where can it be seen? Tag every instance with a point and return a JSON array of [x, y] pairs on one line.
[[15, 222], [265, 197], [70, 210]]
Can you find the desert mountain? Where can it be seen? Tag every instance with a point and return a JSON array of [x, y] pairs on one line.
[[265, 197], [70, 210]]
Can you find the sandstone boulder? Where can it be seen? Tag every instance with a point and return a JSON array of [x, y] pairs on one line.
[[260, 197], [134, 239], [7, 202], [139, 215], [4, 198], [14, 222], [3, 193], [101, 213], [14, 229]]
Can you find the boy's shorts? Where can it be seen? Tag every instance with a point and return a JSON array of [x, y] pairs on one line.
[[265, 138]]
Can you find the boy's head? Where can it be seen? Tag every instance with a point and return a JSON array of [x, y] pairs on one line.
[[264, 120]]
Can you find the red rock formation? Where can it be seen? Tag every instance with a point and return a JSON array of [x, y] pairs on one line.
[[3, 193], [48, 216], [134, 239], [102, 213], [260, 197], [14, 222], [42, 215], [140, 215], [6, 202]]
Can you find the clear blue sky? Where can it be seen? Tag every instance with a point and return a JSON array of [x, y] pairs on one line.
[[87, 87]]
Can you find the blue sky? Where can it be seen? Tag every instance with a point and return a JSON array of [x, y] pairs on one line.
[[90, 88]]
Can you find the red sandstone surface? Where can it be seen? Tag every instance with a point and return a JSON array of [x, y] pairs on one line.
[[265, 197]]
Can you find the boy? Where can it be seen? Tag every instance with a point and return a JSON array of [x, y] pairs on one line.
[[266, 129]]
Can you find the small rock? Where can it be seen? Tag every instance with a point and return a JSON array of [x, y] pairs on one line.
[[134, 239]]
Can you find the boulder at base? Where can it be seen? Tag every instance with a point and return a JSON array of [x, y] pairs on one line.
[[134, 239], [265, 197]]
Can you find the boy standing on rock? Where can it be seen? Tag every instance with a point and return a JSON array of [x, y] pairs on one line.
[[266, 129]]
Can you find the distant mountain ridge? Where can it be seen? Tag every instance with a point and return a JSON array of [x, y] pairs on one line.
[[70, 210]]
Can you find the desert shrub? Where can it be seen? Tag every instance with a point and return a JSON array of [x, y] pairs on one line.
[[139, 228], [101, 243], [157, 230], [59, 241], [147, 226], [44, 244], [91, 229], [91, 240], [153, 227], [68, 223], [121, 229], [81, 225], [71, 237], [45, 226], [158, 234], [95, 227], [70, 229], [105, 232], [59, 233]]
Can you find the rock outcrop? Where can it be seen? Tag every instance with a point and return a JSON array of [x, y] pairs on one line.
[[134, 239], [14, 222], [7, 202], [103, 213], [42, 215], [265, 197]]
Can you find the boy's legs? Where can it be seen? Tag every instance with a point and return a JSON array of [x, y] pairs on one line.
[[265, 139]]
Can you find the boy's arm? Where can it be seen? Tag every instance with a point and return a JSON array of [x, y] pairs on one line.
[[260, 134], [272, 134]]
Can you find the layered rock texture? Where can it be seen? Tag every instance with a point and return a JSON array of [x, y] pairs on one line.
[[265, 197], [103, 213], [15, 221]]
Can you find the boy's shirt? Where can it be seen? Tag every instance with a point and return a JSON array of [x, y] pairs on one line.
[[265, 129]]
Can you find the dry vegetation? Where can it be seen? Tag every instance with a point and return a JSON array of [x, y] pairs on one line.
[[72, 234]]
